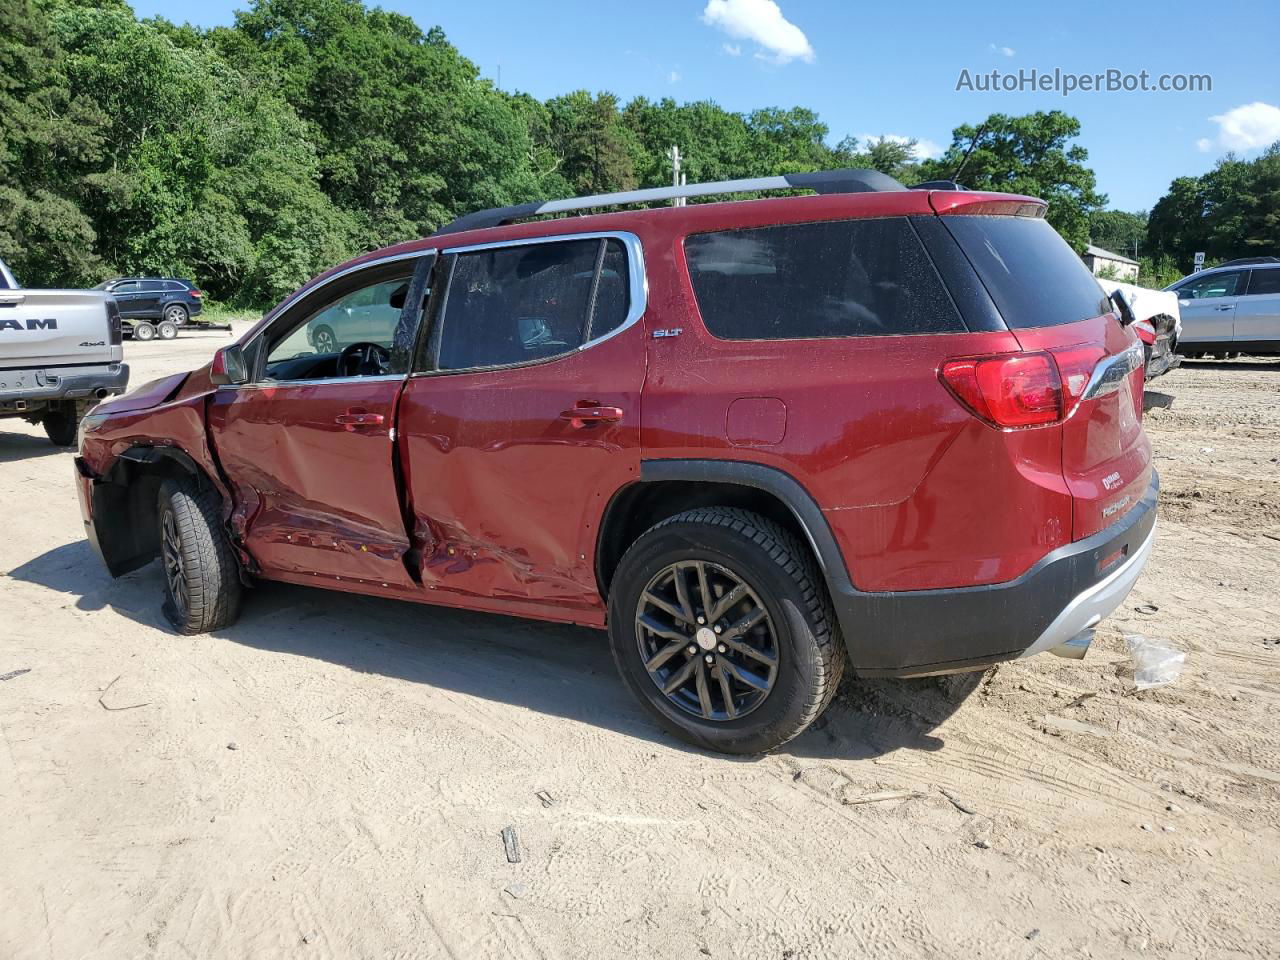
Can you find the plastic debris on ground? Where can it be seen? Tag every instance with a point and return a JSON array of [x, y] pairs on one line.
[[1155, 662]]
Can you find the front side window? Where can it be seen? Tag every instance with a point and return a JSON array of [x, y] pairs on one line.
[[349, 336], [1213, 286], [845, 278], [529, 302]]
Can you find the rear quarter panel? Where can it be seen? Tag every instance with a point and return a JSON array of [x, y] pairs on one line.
[[918, 493]]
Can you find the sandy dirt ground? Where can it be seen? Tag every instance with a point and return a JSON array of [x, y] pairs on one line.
[[330, 776]]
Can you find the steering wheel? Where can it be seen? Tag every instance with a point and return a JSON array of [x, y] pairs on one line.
[[364, 359]]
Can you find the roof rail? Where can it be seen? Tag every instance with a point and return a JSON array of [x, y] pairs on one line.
[[1245, 261], [824, 181]]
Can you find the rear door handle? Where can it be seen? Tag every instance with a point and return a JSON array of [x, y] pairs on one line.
[[353, 420], [586, 415], [1228, 307]]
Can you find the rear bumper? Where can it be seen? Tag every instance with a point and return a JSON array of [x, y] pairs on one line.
[[918, 632], [39, 386]]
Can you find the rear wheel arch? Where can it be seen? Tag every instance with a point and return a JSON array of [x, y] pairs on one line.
[[669, 487]]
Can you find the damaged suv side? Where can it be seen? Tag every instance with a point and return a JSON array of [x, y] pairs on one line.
[[889, 429]]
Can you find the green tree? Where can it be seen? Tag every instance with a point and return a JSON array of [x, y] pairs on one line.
[[50, 139], [407, 133], [1029, 155], [1118, 231], [1232, 211], [594, 146]]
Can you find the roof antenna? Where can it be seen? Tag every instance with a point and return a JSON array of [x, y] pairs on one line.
[[973, 145]]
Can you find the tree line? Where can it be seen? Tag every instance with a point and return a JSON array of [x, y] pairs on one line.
[[251, 157], [1230, 212]]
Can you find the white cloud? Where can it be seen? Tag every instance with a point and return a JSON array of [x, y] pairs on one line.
[[1004, 51], [1248, 127], [762, 22], [732, 49], [925, 149], [673, 76]]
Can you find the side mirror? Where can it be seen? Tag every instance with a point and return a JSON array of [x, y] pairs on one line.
[[1123, 308], [228, 367]]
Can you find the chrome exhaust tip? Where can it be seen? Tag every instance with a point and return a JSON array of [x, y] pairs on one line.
[[1076, 647]]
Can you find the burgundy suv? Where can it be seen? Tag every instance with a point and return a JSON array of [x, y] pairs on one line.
[[898, 428]]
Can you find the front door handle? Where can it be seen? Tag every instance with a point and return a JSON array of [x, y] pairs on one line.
[[583, 416], [353, 421], [1228, 307]]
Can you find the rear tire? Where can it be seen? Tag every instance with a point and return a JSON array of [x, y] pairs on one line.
[[61, 425], [202, 580], [168, 330], [796, 648], [144, 331], [176, 314]]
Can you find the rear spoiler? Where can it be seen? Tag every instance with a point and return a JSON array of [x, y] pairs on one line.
[[986, 204]]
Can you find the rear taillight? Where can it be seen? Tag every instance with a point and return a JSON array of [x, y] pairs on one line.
[[1075, 367], [1011, 390], [113, 322], [1008, 390], [196, 294]]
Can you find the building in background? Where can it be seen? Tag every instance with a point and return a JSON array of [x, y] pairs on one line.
[[1104, 263]]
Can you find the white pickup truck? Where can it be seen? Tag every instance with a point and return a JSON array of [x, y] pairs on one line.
[[60, 353]]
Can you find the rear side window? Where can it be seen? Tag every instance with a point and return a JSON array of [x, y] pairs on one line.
[[153, 285], [1264, 281], [846, 278], [1034, 277], [527, 302]]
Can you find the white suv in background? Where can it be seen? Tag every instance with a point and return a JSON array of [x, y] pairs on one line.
[[1231, 308]]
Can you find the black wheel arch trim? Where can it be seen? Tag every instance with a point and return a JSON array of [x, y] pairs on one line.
[[771, 480], [120, 532]]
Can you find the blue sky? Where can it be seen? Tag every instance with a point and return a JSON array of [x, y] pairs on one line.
[[891, 69]]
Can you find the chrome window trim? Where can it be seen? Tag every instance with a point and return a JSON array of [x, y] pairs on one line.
[[638, 288], [294, 297], [280, 384]]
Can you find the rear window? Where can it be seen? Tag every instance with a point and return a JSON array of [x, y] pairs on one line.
[[846, 278], [1034, 277]]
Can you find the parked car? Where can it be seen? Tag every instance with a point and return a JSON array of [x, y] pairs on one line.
[[898, 429], [155, 306], [1232, 308], [1156, 321], [60, 353], [364, 316]]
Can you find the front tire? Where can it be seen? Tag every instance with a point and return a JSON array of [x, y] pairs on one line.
[[144, 331], [325, 341], [202, 581], [721, 626]]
